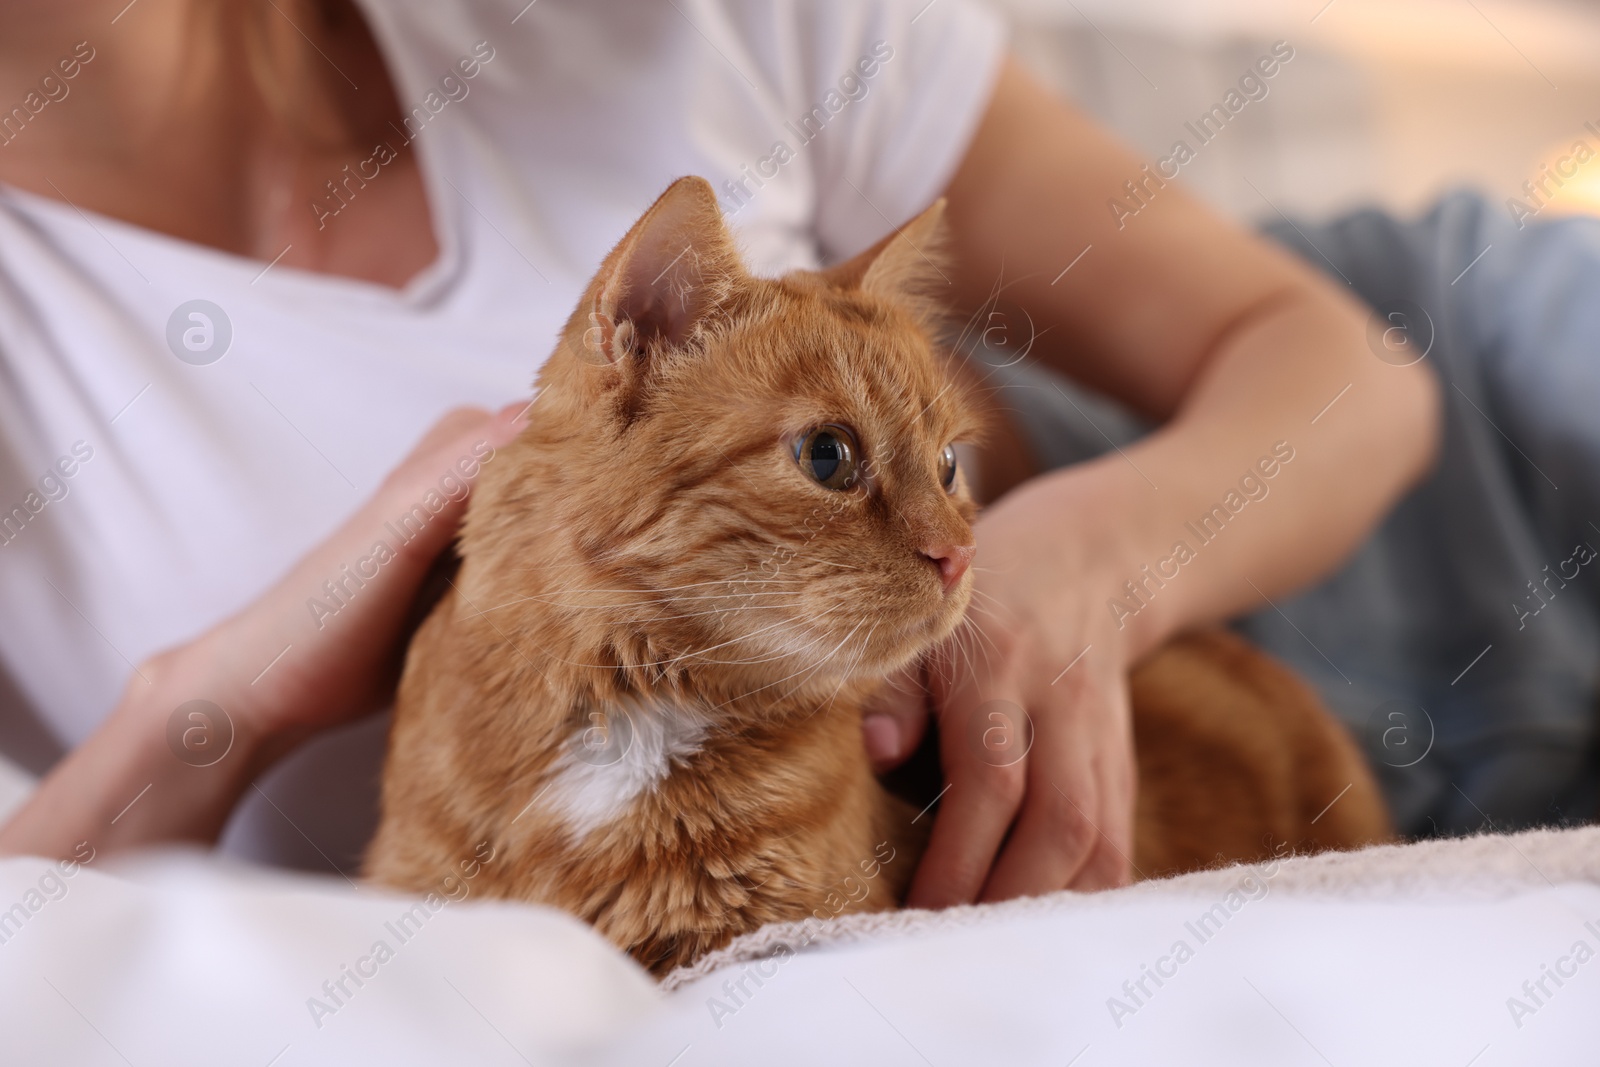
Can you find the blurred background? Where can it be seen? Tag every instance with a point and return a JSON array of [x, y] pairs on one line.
[[1386, 102]]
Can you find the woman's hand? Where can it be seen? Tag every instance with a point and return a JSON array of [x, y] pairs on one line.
[[341, 646], [1031, 697], [320, 648]]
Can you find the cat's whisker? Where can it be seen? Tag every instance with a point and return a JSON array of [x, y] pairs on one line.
[[971, 623], [984, 314], [984, 644], [688, 585], [987, 610], [545, 599], [813, 668], [703, 614], [724, 644], [980, 314], [986, 597], [727, 580], [990, 606], [807, 670], [739, 593], [844, 675], [989, 644], [667, 602], [777, 654], [962, 662], [640, 620], [677, 590], [984, 607], [798, 652], [982, 641]]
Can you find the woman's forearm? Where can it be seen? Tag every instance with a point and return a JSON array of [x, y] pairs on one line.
[[138, 780], [1290, 447], [1236, 346]]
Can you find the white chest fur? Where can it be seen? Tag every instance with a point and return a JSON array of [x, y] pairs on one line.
[[619, 756]]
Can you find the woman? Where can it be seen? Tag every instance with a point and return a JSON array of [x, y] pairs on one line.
[[249, 251]]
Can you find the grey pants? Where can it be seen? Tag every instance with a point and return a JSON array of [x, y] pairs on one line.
[[1461, 643]]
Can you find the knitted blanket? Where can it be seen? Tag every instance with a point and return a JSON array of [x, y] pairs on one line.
[[1484, 866]]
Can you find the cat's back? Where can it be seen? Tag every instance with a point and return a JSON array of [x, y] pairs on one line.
[[1238, 760]]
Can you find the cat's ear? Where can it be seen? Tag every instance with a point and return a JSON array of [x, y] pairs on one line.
[[673, 270], [908, 263]]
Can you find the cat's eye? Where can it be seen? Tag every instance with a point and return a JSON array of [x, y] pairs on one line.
[[828, 455], [947, 468]]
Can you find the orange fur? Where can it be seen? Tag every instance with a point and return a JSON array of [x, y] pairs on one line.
[[1237, 759], [650, 578]]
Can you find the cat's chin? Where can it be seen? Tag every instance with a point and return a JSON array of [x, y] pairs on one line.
[[952, 612], [914, 639]]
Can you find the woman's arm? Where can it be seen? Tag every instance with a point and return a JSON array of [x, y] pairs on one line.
[[1184, 316], [1238, 347], [138, 780]]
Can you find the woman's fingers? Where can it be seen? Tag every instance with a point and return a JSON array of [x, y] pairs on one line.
[[1073, 831], [979, 749], [1111, 863], [1036, 800], [1055, 833], [329, 627]]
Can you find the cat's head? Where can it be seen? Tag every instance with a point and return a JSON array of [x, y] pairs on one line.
[[750, 473]]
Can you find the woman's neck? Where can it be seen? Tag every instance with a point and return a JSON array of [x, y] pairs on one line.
[[214, 122]]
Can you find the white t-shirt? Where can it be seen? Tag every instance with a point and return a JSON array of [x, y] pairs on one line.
[[195, 482]]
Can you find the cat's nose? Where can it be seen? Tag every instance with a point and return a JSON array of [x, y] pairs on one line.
[[952, 561]]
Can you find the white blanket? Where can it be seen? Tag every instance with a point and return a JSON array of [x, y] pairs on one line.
[[1479, 951]]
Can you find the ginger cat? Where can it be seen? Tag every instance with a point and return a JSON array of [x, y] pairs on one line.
[[735, 511]]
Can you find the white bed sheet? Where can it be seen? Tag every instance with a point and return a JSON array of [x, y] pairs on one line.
[[183, 961]]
